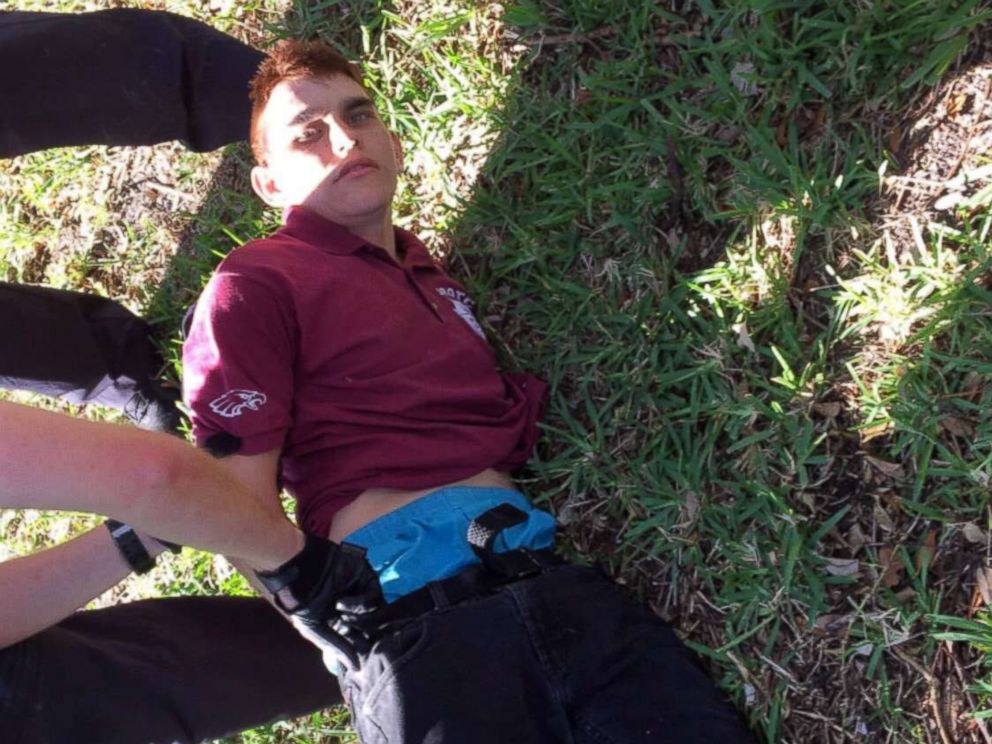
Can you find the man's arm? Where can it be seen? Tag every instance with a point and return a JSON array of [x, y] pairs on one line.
[[44, 588], [259, 475], [327, 577], [152, 481]]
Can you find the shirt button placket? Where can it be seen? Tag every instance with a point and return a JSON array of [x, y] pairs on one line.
[[428, 299]]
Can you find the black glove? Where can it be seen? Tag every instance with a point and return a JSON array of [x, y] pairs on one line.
[[327, 583]]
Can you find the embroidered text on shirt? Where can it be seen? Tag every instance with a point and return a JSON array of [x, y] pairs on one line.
[[462, 304]]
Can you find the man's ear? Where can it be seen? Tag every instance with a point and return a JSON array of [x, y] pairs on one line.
[[266, 187], [397, 151]]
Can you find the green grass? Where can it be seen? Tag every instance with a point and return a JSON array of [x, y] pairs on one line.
[[765, 392]]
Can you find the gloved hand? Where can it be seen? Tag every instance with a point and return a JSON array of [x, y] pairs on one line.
[[323, 585]]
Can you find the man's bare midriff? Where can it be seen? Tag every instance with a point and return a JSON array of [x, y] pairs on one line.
[[374, 502]]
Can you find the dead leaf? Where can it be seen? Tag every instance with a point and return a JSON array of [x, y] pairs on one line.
[[927, 551], [890, 498], [742, 77], [894, 141], [831, 624], [904, 594], [782, 133], [983, 580], [691, 505], [974, 534], [856, 537], [864, 649], [891, 567], [743, 337], [957, 426], [888, 469], [973, 386], [949, 201], [882, 518], [843, 566], [956, 104], [827, 410], [870, 432]]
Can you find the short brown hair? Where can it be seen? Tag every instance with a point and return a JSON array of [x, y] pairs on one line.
[[291, 59]]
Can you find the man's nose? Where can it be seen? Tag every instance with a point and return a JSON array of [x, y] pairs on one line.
[[342, 141]]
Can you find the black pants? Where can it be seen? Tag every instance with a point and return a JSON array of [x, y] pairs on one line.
[[116, 77], [176, 670], [84, 349], [159, 671], [120, 77], [563, 658]]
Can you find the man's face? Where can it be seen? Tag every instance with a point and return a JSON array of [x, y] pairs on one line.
[[327, 149]]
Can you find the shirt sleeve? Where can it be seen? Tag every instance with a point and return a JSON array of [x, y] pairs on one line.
[[238, 362]]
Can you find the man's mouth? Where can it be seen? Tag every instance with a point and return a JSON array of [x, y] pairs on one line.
[[354, 168]]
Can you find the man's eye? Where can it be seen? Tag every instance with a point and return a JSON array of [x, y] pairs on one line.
[[307, 135], [361, 117]]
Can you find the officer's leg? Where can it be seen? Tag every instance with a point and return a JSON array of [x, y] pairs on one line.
[[176, 670], [120, 77], [83, 348]]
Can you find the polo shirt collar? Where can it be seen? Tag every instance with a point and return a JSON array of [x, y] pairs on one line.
[[415, 253], [309, 227]]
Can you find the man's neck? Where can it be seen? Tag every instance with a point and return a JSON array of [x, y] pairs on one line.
[[381, 235], [377, 230]]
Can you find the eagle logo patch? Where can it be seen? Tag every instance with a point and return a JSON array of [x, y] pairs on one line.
[[234, 402]]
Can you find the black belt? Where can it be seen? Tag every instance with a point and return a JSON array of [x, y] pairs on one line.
[[495, 571]]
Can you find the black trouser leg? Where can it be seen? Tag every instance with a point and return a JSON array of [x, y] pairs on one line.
[[120, 77], [560, 658], [160, 670], [83, 348]]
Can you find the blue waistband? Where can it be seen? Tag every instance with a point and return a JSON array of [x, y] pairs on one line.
[[426, 540]]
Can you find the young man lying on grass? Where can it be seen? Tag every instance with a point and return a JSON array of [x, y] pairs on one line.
[[336, 358]]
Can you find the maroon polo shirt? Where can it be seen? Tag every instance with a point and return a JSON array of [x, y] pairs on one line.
[[367, 373]]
